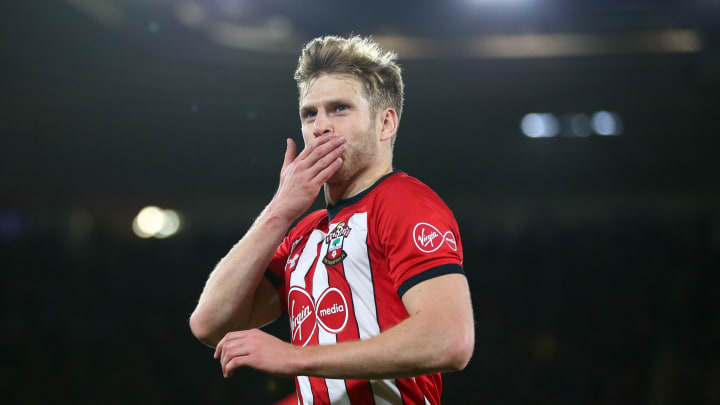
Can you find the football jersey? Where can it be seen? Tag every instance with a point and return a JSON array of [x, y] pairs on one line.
[[341, 273]]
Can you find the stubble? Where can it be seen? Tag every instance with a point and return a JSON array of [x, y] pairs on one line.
[[361, 151]]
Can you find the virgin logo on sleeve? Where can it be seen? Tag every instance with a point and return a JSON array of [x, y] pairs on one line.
[[330, 312], [428, 238]]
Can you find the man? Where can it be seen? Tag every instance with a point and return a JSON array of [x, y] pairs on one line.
[[374, 286]]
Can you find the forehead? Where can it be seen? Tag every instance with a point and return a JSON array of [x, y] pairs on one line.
[[332, 87]]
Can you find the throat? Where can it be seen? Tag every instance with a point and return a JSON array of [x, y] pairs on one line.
[[361, 181]]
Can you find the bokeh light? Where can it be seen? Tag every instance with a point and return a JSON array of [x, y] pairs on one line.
[[540, 125], [153, 221], [606, 123]]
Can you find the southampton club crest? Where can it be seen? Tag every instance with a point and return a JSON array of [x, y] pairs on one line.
[[335, 253]]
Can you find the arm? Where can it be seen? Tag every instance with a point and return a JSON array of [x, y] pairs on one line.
[[437, 336], [236, 295]]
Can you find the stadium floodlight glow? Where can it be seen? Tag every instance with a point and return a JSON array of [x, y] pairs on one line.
[[155, 222], [540, 125], [529, 46], [191, 14], [606, 123]]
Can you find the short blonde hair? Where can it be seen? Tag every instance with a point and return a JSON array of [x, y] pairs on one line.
[[358, 57]]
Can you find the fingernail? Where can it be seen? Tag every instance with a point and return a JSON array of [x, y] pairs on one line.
[[342, 139]]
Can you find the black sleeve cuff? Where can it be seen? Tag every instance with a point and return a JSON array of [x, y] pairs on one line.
[[274, 280], [427, 275]]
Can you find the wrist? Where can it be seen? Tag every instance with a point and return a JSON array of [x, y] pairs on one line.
[[274, 214], [300, 362]]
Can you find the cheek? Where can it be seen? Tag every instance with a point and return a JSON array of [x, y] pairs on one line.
[[306, 135]]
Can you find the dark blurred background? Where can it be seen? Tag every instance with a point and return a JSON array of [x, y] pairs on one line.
[[576, 142]]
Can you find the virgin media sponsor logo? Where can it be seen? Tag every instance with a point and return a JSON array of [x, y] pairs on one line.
[[428, 238], [330, 312], [302, 316]]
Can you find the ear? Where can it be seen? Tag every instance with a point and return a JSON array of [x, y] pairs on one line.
[[389, 124]]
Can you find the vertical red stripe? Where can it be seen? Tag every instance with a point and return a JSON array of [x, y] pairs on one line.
[[431, 385], [299, 393], [319, 390], [308, 287], [391, 313], [318, 386], [411, 393]]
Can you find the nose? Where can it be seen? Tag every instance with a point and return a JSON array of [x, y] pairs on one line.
[[322, 124]]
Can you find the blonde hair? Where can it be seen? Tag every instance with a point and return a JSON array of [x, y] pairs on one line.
[[358, 57]]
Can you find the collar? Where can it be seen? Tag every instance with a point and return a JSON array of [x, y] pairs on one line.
[[333, 210]]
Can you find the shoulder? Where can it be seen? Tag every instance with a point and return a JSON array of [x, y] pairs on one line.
[[403, 191], [309, 222]]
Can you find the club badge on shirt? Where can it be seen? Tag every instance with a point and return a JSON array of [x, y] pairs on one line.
[[335, 239]]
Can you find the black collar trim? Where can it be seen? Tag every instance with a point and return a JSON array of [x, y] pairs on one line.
[[333, 210]]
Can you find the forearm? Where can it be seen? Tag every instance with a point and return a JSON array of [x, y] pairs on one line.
[[422, 344], [226, 302]]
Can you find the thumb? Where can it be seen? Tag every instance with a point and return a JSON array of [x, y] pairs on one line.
[[289, 153]]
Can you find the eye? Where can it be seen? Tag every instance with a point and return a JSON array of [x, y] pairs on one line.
[[341, 108], [309, 114]]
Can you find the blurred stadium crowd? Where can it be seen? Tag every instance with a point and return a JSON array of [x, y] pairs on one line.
[[619, 311]]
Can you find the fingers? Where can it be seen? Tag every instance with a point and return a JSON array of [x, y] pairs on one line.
[[233, 364], [313, 144], [325, 157], [328, 171], [224, 342], [290, 153], [219, 347], [231, 352], [234, 355], [320, 147]]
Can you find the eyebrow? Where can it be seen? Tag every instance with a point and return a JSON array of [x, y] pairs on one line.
[[311, 107]]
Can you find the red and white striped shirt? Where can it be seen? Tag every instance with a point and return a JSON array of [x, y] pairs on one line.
[[341, 273]]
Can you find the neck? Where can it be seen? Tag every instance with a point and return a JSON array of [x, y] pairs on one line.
[[360, 182]]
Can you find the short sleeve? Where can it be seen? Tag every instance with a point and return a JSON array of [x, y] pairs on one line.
[[275, 272], [418, 233]]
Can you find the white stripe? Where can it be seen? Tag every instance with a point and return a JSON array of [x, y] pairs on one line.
[[336, 388], [337, 392], [297, 277], [386, 392], [357, 274], [305, 390], [359, 277]]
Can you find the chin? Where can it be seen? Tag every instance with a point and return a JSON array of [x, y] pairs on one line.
[[337, 178], [342, 175]]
